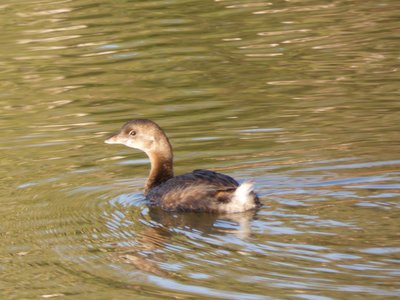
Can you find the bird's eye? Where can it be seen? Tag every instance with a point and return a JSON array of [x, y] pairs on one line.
[[132, 132]]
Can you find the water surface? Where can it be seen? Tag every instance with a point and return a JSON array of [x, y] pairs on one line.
[[302, 97]]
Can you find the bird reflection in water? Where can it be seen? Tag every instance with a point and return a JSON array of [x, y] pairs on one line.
[[148, 253]]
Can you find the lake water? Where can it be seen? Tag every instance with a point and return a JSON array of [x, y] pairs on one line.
[[302, 97]]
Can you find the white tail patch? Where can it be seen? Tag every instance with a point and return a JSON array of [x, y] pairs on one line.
[[243, 198]]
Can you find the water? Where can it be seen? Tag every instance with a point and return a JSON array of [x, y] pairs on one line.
[[300, 96]]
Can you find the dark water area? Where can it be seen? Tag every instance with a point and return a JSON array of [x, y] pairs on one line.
[[302, 97]]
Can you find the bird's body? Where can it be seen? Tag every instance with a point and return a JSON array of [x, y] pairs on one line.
[[199, 191]]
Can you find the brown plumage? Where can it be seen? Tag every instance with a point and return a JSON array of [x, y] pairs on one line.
[[200, 190]]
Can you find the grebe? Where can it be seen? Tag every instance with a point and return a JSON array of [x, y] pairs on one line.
[[198, 191]]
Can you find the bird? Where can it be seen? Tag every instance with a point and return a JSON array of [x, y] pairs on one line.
[[198, 191]]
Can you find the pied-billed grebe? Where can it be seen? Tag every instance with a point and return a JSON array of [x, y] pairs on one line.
[[200, 190]]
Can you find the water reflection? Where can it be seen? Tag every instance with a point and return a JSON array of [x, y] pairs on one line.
[[148, 249]]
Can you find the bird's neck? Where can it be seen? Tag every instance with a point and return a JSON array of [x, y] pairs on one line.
[[161, 168]]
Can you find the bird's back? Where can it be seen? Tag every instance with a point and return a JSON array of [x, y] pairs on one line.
[[203, 191]]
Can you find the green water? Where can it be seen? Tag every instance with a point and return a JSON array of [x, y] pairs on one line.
[[302, 97]]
